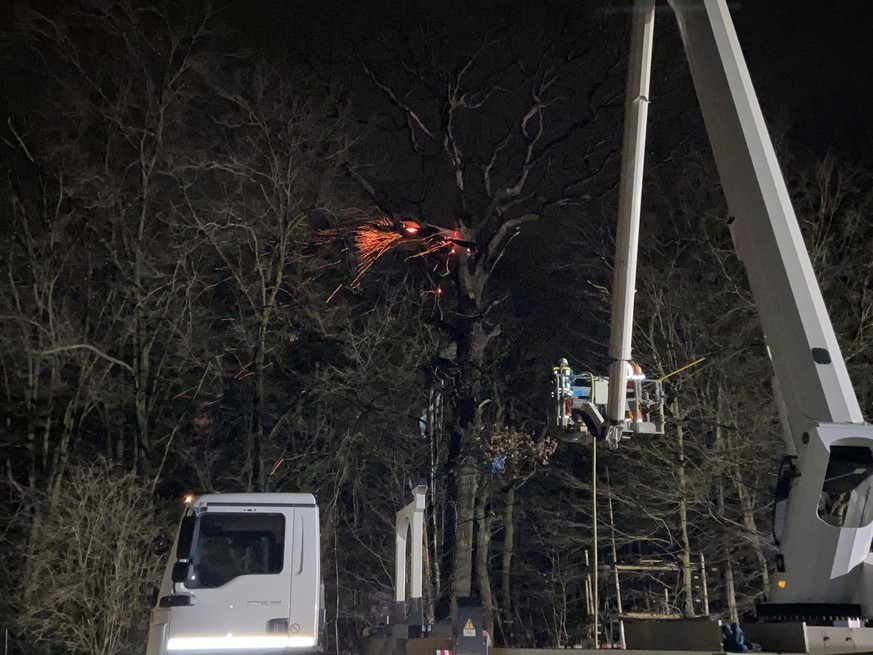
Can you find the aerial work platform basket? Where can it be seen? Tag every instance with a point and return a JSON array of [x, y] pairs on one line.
[[580, 399]]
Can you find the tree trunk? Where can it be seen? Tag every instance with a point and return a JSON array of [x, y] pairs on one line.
[[257, 476], [731, 592], [30, 395], [749, 523], [438, 504], [687, 577], [462, 568], [428, 597], [470, 340], [730, 589], [141, 375], [505, 615], [141, 338], [483, 556]]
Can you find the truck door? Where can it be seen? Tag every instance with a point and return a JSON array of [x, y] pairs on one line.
[[241, 574]]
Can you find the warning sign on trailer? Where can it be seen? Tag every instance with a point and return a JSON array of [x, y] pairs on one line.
[[469, 628]]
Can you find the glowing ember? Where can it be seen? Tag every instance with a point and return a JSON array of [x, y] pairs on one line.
[[429, 248]]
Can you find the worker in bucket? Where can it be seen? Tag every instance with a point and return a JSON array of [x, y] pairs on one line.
[[564, 376], [634, 371], [635, 376]]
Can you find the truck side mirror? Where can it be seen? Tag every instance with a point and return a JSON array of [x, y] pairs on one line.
[[183, 572]]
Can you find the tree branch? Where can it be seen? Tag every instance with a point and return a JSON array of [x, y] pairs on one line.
[[93, 349]]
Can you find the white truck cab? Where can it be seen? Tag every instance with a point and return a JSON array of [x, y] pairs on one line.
[[243, 578]]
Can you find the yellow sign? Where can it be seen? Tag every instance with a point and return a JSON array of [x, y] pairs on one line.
[[469, 628]]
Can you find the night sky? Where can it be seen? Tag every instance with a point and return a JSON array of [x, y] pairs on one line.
[[811, 61]]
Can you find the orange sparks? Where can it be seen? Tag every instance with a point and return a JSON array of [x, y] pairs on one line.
[[428, 249], [375, 238], [371, 243]]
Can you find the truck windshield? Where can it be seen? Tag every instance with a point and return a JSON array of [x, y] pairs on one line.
[[848, 483], [230, 545]]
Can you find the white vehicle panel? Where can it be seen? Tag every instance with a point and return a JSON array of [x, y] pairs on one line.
[[254, 579]]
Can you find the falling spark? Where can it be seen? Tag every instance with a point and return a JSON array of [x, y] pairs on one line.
[[431, 248]]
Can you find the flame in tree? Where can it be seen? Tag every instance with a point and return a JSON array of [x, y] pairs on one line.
[[374, 239]]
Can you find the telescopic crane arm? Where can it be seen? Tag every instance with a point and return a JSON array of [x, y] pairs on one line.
[[624, 274], [824, 558], [604, 405], [823, 519]]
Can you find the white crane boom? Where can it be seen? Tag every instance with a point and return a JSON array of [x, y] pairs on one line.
[[828, 526], [624, 273]]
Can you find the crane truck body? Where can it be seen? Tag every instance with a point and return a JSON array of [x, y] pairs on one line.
[[824, 505], [824, 566]]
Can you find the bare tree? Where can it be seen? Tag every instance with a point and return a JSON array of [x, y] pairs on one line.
[[105, 143], [91, 570], [485, 135], [833, 201], [256, 199]]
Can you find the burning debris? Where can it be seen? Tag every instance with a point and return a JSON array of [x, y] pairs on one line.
[[374, 239]]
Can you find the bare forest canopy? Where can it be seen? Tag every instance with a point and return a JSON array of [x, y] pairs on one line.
[[186, 202]]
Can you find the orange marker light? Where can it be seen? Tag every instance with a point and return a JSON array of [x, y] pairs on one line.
[[781, 584]]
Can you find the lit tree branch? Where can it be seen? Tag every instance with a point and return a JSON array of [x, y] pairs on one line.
[[93, 349]]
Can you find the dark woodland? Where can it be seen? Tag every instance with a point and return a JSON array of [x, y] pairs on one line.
[[193, 298]]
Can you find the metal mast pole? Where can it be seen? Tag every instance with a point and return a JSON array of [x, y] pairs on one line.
[[618, 606], [596, 590]]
